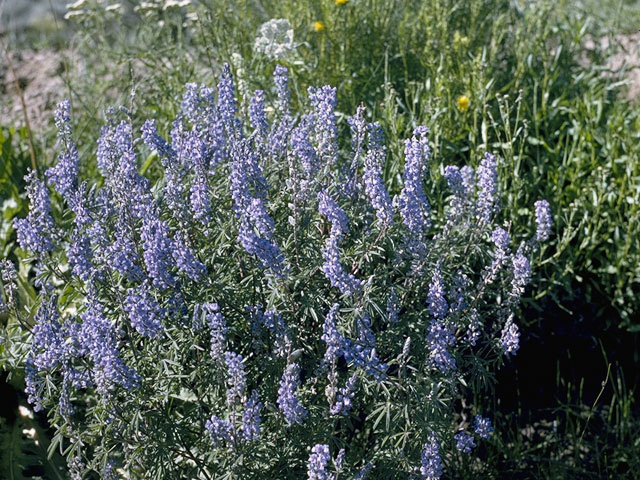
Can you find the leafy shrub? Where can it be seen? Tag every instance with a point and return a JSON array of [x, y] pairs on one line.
[[414, 60], [266, 306]]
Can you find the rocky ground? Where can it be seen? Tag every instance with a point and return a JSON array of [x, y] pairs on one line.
[[36, 74], [39, 76], [626, 56]]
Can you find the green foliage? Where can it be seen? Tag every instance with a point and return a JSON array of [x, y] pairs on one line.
[[408, 63], [14, 161], [578, 439], [92, 325], [552, 109], [23, 451]]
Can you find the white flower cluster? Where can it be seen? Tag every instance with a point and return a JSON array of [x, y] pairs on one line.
[[83, 9], [275, 39]]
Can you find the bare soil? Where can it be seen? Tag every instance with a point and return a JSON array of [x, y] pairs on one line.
[[38, 75]]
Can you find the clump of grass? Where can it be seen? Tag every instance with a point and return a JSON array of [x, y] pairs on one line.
[[580, 438]]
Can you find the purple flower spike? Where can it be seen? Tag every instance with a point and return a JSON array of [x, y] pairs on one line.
[[288, 401]]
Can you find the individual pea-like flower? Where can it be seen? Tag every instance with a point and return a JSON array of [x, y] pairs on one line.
[[185, 260], [158, 251], [318, 461], [464, 442], [80, 258], [257, 114], [414, 206], [218, 328], [288, 401], [521, 274], [510, 337], [227, 100], [372, 175], [482, 426], [36, 230], [219, 430], [64, 176], [431, 463], [436, 301], [344, 399], [332, 268], [324, 101], [144, 311], [393, 309], [488, 187], [251, 417], [364, 472], [439, 339], [543, 220], [236, 378]]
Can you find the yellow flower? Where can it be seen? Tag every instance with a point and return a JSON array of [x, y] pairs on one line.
[[459, 41], [341, 2], [318, 26], [463, 103]]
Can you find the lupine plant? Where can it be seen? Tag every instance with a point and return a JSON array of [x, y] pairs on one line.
[[268, 309]]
